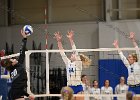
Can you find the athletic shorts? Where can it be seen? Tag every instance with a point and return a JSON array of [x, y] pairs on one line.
[[135, 89], [76, 89]]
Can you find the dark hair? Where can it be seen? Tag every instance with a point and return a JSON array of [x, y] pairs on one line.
[[94, 81], [83, 76], [107, 80], [6, 63]]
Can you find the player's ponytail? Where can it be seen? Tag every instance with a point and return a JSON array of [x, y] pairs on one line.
[[85, 60]]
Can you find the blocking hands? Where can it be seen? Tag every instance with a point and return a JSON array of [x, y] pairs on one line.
[[132, 36], [70, 34], [58, 36], [115, 43]]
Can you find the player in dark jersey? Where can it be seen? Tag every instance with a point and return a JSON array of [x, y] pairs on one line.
[[18, 73]]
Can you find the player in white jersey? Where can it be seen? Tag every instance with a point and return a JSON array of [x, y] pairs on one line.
[[121, 88], [133, 65], [73, 64], [85, 83], [95, 90], [107, 89], [86, 86]]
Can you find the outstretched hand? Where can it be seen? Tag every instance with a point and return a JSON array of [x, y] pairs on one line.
[[58, 36], [23, 34], [115, 43], [70, 34], [132, 35]]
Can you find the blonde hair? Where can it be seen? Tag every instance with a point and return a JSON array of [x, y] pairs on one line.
[[134, 55], [85, 60], [67, 93]]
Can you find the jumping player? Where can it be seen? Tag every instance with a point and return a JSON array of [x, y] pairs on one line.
[[73, 64], [18, 74], [133, 65]]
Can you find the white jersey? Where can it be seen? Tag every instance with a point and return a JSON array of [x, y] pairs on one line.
[[95, 91], [86, 89], [73, 69], [74, 73], [121, 89], [133, 71], [107, 90]]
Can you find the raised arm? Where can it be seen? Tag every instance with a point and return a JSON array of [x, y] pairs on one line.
[[58, 38], [123, 58], [22, 48], [132, 37], [70, 35]]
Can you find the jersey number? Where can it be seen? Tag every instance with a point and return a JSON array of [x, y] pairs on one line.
[[71, 70], [14, 73]]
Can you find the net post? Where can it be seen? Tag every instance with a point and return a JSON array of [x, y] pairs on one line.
[[27, 64], [47, 72]]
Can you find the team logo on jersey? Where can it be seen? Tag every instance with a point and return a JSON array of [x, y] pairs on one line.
[[14, 73], [107, 92]]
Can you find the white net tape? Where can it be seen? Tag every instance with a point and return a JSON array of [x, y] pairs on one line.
[[80, 50]]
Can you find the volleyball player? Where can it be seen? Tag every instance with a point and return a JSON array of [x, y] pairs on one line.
[[85, 83], [133, 65], [121, 88], [95, 90], [73, 64], [18, 73], [107, 89]]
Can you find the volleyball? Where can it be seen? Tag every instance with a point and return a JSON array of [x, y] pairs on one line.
[[28, 30]]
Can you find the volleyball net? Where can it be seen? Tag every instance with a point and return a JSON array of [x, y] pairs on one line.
[[47, 74]]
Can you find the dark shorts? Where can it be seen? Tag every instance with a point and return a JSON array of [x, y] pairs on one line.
[[135, 89], [15, 94], [76, 89]]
